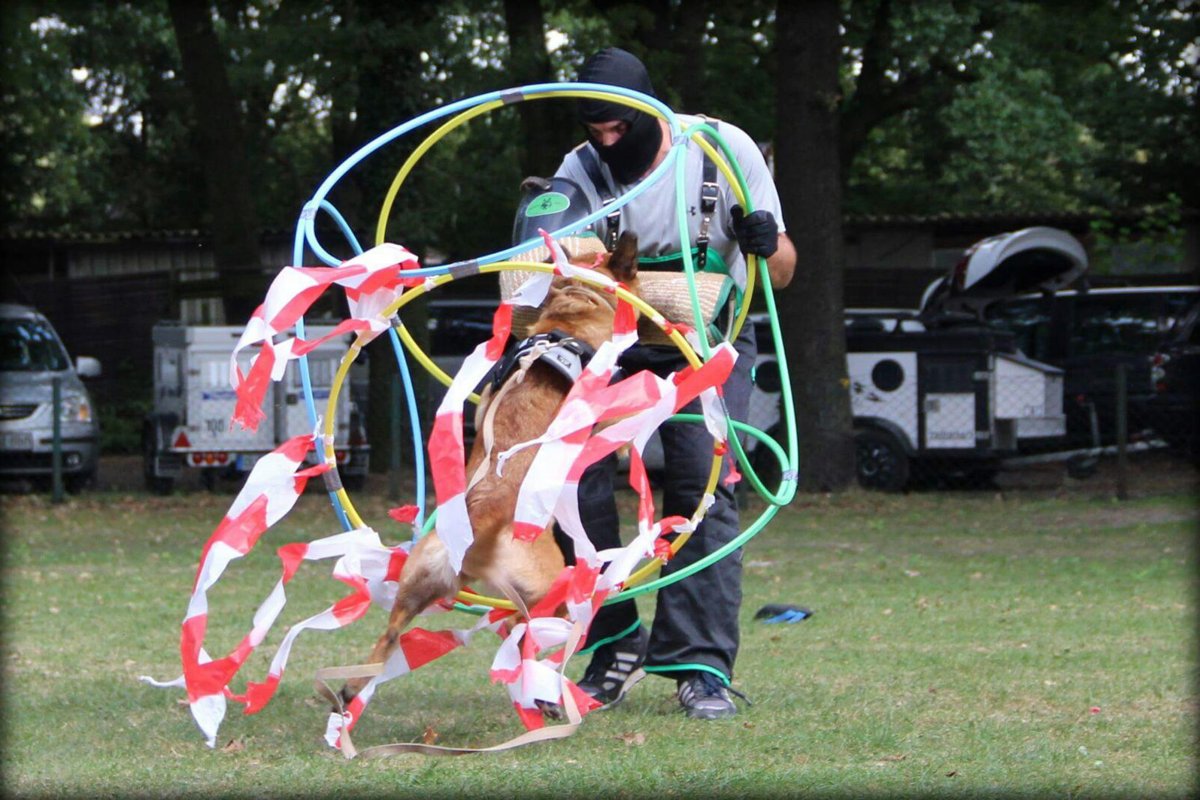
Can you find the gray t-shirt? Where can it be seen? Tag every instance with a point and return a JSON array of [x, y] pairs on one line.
[[652, 215]]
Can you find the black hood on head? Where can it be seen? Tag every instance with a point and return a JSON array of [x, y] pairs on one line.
[[633, 153]]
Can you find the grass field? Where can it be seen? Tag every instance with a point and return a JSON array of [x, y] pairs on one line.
[[962, 645]]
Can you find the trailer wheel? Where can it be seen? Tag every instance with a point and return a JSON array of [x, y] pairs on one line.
[[880, 461], [156, 484]]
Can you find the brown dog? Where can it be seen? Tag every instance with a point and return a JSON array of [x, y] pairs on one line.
[[523, 410]]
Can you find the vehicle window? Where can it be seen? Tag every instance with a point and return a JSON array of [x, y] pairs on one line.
[[1178, 309], [457, 331], [1123, 323], [1028, 320], [28, 345], [1189, 326]]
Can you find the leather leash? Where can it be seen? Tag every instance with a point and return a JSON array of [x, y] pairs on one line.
[[574, 718]]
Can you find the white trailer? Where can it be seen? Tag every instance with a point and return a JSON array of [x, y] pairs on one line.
[[937, 388], [189, 426], [962, 400]]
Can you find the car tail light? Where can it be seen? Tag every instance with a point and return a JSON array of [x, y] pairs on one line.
[[342, 456], [1158, 371], [959, 278]]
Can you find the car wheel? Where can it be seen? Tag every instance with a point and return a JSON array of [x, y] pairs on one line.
[[879, 461]]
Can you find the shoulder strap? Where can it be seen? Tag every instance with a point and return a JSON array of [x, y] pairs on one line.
[[709, 192], [592, 167]]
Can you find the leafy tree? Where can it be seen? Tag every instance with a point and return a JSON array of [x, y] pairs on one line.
[[47, 148], [90, 101], [1023, 105], [546, 126]]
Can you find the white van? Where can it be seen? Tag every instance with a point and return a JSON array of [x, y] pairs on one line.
[[32, 360]]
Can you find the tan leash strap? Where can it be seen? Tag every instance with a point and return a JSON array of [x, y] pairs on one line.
[[574, 718], [335, 698]]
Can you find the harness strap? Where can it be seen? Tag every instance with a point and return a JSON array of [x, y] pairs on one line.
[[709, 192], [566, 354], [524, 357], [607, 197]]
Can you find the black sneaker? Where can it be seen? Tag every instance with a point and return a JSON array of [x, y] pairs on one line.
[[704, 696], [615, 668]]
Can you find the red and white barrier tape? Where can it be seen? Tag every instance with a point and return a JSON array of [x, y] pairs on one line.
[[529, 660]]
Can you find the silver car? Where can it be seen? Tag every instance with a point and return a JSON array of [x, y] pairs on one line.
[[32, 359]]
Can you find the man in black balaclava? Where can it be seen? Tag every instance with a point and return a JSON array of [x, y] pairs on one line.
[[694, 637], [631, 155]]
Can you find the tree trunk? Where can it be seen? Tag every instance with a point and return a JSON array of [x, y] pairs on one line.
[[548, 127], [221, 141], [689, 45], [809, 180], [388, 92]]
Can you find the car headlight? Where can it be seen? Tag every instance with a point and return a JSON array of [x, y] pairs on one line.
[[75, 408]]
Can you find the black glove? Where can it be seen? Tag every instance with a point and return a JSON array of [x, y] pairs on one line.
[[757, 233]]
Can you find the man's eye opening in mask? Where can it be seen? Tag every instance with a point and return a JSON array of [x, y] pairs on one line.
[[606, 133]]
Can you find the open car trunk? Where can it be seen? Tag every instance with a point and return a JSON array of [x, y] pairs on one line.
[[1028, 260]]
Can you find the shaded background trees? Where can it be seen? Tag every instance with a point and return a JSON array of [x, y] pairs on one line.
[[870, 106], [943, 104]]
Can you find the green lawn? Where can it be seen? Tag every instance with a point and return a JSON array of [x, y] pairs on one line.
[[963, 645]]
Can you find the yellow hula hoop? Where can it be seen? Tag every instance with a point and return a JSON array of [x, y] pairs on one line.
[[406, 338], [385, 210], [466, 116], [355, 349], [433, 369]]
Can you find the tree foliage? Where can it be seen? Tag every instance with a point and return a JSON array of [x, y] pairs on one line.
[[946, 104], [1019, 105]]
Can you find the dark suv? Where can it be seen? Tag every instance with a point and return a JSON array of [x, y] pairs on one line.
[[1088, 334], [1175, 381]]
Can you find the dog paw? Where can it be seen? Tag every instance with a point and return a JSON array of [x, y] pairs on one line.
[[551, 711]]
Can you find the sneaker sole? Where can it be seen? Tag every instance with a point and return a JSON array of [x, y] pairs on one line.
[[711, 713], [634, 679]]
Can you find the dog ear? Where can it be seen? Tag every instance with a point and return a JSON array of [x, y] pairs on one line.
[[623, 264]]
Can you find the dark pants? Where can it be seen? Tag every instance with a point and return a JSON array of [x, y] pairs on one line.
[[696, 620]]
